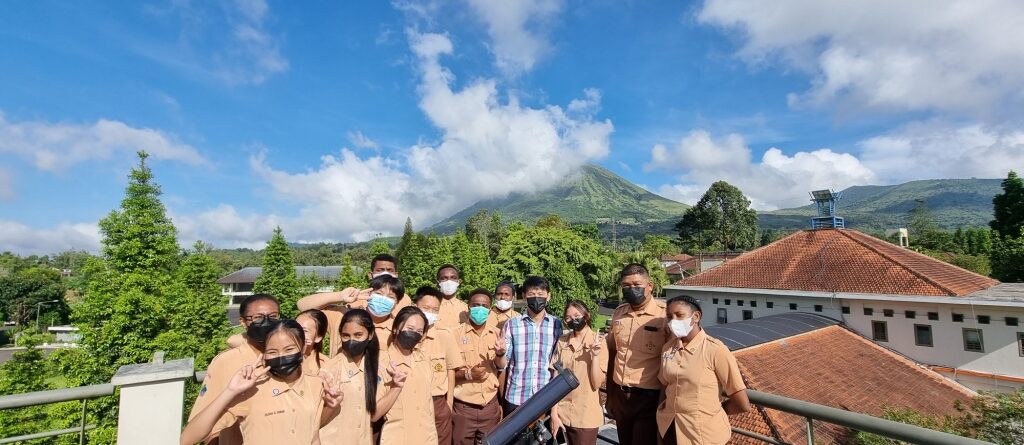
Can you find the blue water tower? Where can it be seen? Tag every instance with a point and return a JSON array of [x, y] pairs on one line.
[[825, 200]]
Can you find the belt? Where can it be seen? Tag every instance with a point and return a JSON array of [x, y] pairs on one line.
[[634, 391], [445, 396], [473, 405]]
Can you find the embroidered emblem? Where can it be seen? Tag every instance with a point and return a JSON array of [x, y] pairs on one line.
[[618, 322], [465, 340], [438, 367], [666, 356], [202, 391], [650, 345], [276, 392], [351, 372]]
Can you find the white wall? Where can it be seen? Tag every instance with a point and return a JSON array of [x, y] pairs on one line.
[[1001, 348]]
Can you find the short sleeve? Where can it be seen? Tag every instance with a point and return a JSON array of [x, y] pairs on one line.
[[602, 361], [728, 372], [452, 354], [213, 384]]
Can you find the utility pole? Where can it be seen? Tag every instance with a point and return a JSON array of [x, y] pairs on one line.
[[39, 306], [614, 238]]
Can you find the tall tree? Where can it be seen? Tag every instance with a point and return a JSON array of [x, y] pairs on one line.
[[403, 244], [348, 276], [22, 292], [657, 246], [1008, 207], [487, 229], [1008, 259], [278, 277], [722, 219], [379, 246]]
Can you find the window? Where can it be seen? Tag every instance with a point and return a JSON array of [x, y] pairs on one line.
[[846, 309], [923, 335], [1020, 343], [714, 301], [748, 315], [973, 340], [887, 312], [869, 312], [770, 304], [723, 316], [753, 303], [958, 318], [1011, 321], [728, 302], [818, 308], [933, 315], [792, 306], [739, 302], [879, 331], [984, 319], [910, 314]]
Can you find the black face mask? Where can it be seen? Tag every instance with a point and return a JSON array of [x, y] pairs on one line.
[[284, 365], [409, 339], [536, 304], [633, 295], [355, 348], [576, 324], [257, 332]]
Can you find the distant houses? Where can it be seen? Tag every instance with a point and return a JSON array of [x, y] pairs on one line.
[[681, 265], [238, 285]]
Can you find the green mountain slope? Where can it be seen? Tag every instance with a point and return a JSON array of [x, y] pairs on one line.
[[593, 194], [953, 203]]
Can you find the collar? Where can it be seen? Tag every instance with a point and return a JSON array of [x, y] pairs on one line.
[[697, 341], [583, 342], [526, 316], [648, 309], [278, 387]]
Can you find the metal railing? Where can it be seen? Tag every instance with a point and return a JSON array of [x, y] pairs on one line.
[[83, 393]]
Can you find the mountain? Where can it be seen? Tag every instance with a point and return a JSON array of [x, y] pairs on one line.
[[593, 194], [953, 203]]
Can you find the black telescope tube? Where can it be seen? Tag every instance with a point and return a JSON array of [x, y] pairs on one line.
[[509, 429]]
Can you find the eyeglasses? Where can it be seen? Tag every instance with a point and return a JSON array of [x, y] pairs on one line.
[[260, 318]]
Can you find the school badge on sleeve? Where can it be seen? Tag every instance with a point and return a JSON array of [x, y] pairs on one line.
[[438, 367]]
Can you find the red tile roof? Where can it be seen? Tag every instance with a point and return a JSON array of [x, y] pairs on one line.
[[676, 257], [836, 367], [841, 260]]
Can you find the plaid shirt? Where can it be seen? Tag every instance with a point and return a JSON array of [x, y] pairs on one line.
[[530, 348]]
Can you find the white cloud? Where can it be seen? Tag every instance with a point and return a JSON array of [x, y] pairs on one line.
[[6, 185], [255, 54], [24, 240], [937, 149], [960, 56], [778, 180], [224, 227], [56, 146], [360, 140], [518, 30], [488, 148]]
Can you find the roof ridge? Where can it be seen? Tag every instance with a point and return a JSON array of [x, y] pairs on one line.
[[914, 272]]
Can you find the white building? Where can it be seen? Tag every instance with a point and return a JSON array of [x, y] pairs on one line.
[[958, 323], [238, 284]]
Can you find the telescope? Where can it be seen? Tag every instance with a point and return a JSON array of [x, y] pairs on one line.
[[522, 426]]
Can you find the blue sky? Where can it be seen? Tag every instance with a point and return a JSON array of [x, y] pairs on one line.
[[337, 120]]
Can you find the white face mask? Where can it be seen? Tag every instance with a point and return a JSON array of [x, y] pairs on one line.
[[431, 318], [681, 328], [383, 272], [448, 287], [503, 305]]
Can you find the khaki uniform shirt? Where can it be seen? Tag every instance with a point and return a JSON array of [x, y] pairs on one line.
[[220, 371], [452, 313], [477, 348], [499, 318], [439, 345], [582, 407], [352, 424], [411, 419], [382, 329], [276, 412], [638, 338], [696, 376]]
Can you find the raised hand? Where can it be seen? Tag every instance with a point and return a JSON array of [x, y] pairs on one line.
[[478, 372], [500, 346], [246, 377], [332, 394], [595, 349], [397, 377]]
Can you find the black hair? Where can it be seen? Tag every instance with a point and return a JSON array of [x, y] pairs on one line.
[[383, 257], [509, 284], [423, 291], [321, 329], [535, 282], [255, 298], [370, 357], [687, 300], [580, 306], [633, 269], [292, 328], [390, 282], [447, 266], [481, 291], [404, 315]]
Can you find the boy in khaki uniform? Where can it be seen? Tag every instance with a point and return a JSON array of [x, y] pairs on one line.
[[477, 409], [445, 359], [504, 294]]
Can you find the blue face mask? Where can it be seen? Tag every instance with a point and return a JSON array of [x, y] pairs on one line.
[[380, 305], [478, 314]]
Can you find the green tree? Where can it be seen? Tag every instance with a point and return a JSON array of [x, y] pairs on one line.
[[278, 276], [1008, 207], [403, 244], [22, 291], [908, 416], [552, 221], [473, 261], [657, 246], [722, 219], [587, 230], [26, 371], [380, 246], [348, 276], [1008, 259], [994, 417]]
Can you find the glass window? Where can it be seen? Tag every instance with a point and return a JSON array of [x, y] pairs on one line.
[[1020, 343], [933, 315], [923, 335], [869, 312], [888, 312], [818, 308], [792, 306], [879, 332], [753, 303], [714, 301], [748, 315], [910, 314], [973, 340], [739, 302], [1011, 321], [728, 302], [958, 318], [770, 304], [846, 309], [723, 316], [984, 319]]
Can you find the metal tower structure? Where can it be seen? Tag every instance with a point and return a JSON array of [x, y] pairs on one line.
[[825, 200]]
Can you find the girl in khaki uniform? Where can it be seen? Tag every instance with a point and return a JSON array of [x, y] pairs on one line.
[[286, 406], [411, 418], [582, 351], [314, 327]]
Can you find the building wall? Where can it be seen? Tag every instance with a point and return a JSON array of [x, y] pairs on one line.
[[1001, 346]]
